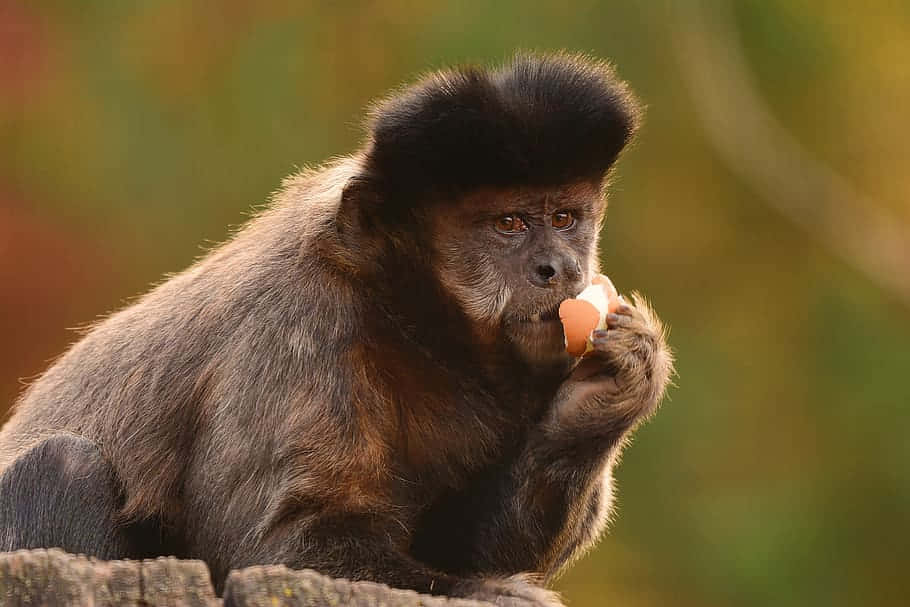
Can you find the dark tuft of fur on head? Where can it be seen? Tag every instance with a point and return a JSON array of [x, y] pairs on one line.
[[538, 120]]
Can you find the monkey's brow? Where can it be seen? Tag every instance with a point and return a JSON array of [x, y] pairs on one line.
[[551, 202], [531, 200]]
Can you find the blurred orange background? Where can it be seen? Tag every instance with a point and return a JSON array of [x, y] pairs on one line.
[[765, 209]]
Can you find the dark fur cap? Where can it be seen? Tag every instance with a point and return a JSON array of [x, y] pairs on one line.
[[538, 120]]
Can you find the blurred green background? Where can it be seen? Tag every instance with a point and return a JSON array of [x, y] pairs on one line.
[[764, 209]]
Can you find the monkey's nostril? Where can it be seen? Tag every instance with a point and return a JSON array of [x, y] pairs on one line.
[[546, 271]]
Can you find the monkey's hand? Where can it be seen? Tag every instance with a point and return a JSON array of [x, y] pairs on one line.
[[621, 381]]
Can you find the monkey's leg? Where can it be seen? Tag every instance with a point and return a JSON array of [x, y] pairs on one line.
[[62, 493], [362, 547], [529, 515]]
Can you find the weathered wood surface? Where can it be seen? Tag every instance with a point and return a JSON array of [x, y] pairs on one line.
[[276, 585], [54, 578]]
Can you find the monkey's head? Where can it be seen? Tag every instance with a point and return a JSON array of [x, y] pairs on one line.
[[497, 178]]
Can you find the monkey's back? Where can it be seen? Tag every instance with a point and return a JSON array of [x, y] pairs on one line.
[[151, 382]]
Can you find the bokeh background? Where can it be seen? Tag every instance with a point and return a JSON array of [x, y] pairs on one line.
[[764, 209]]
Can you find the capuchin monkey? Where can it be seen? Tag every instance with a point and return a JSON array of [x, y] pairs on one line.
[[370, 378]]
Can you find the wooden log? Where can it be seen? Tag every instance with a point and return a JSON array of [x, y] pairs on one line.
[[278, 586], [32, 578], [54, 578]]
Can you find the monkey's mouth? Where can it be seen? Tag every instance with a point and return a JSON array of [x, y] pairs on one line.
[[548, 315], [538, 335]]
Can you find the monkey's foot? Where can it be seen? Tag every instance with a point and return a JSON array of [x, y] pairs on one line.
[[515, 591]]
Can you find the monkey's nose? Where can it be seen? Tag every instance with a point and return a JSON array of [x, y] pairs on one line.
[[546, 271], [544, 274]]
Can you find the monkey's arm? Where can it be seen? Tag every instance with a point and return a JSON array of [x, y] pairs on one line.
[[551, 498]]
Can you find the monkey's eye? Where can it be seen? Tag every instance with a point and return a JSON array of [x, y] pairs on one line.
[[510, 224], [562, 220]]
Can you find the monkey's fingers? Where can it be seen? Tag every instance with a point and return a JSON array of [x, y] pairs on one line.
[[624, 308], [604, 344], [619, 321]]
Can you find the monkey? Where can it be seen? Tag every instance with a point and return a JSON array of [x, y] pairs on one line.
[[369, 377]]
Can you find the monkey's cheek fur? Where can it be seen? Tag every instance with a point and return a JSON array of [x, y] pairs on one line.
[[582, 315]]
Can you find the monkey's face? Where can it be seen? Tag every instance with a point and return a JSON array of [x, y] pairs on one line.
[[509, 257]]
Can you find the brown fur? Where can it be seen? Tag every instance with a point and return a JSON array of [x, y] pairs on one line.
[[356, 391]]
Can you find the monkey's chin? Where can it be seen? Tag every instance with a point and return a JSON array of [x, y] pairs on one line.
[[540, 343]]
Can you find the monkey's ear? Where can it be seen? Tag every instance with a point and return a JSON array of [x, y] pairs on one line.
[[357, 221], [365, 207], [358, 208]]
